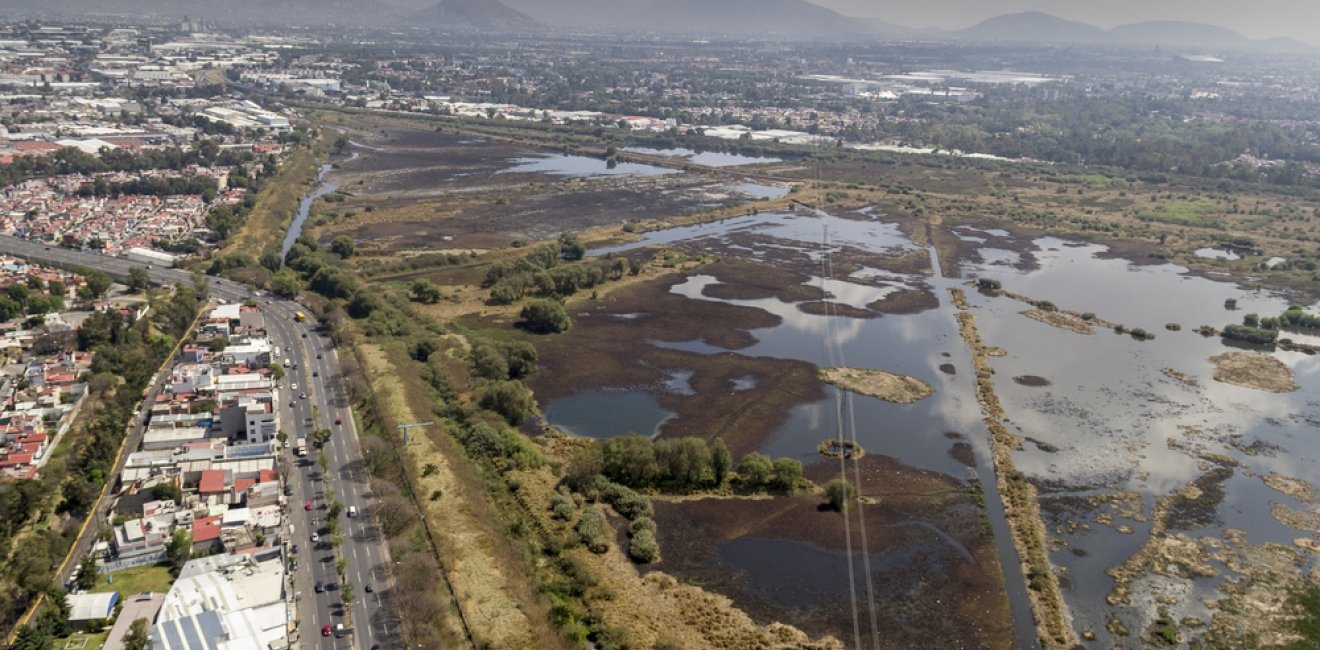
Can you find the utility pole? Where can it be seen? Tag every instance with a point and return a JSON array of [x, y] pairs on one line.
[[406, 427]]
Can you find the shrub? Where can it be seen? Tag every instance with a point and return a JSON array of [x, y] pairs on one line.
[[640, 524], [504, 448], [839, 492], [643, 548], [511, 399], [594, 531], [626, 502], [562, 507], [787, 475]]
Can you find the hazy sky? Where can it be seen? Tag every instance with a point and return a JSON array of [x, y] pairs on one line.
[[1299, 19]]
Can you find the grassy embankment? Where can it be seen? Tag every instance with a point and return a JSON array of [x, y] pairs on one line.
[[494, 600]]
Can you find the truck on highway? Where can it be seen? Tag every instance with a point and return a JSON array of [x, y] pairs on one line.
[[301, 447], [300, 317]]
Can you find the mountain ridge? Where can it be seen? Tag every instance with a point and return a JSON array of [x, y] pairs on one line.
[[788, 19], [1041, 27]]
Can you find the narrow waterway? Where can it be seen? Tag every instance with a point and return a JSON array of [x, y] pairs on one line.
[[305, 205]]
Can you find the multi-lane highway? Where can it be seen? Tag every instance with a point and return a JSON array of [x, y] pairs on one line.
[[373, 622], [315, 373]]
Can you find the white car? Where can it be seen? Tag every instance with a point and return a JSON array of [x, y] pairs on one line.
[[315, 538], [293, 386]]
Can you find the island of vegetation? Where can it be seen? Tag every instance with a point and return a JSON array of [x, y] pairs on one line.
[[1257, 371], [888, 386]]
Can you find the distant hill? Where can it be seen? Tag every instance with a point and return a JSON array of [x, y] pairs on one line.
[[473, 15], [1170, 33], [1037, 28], [1032, 27], [750, 18], [741, 18]]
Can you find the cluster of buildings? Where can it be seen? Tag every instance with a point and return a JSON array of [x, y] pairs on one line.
[[58, 209], [247, 115], [210, 463], [42, 383], [125, 90]]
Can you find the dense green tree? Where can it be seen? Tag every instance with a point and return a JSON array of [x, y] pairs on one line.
[[271, 260], [721, 461], [19, 293], [489, 363], [320, 437], [33, 638], [630, 460], [570, 248], [423, 349], [643, 547], [424, 291], [546, 317], [343, 246], [511, 399], [521, 358], [756, 470], [178, 550], [87, 573], [683, 461], [787, 475], [96, 283], [138, 635], [285, 283], [138, 279], [9, 309], [362, 304]]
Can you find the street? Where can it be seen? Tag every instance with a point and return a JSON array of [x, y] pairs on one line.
[[374, 621]]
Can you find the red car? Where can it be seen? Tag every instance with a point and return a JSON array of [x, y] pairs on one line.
[[338, 421], [308, 505], [325, 630]]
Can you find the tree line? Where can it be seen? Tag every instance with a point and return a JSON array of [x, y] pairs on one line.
[[205, 186], [543, 272], [71, 160], [680, 465]]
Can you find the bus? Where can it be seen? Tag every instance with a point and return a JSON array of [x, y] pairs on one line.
[[299, 316]]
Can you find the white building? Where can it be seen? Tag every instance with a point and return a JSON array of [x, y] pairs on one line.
[[152, 257], [225, 602]]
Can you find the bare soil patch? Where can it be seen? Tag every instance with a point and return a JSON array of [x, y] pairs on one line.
[[880, 384], [1258, 371]]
